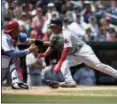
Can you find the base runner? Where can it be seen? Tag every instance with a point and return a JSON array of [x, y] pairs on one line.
[[75, 52]]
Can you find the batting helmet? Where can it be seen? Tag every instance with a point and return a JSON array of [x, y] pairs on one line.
[[55, 22], [10, 26]]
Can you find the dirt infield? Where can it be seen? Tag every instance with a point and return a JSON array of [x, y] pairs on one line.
[[78, 91]]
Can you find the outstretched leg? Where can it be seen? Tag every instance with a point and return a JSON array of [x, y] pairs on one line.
[[87, 56]]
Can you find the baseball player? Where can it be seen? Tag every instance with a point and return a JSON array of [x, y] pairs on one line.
[[75, 52], [10, 53]]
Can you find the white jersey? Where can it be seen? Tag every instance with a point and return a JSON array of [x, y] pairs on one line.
[[76, 29], [30, 59], [78, 55], [71, 40], [7, 45]]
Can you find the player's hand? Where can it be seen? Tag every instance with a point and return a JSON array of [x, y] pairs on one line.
[[57, 67], [42, 55], [31, 41], [32, 48]]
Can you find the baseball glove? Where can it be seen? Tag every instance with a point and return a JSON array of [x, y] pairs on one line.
[[52, 84]]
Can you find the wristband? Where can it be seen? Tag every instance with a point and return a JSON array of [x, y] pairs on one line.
[[38, 42]]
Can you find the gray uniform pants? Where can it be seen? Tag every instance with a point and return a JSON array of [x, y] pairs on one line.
[[87, 56], [34, 79], [5, 75]]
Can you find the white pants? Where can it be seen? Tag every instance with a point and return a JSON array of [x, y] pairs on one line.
[[14, 73], [87, 56]]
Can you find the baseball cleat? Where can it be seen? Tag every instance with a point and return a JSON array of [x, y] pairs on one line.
[[15, 86], [68, 85], [20, 85]]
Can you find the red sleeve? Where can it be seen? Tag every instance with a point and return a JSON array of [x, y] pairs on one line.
[[64, 54]]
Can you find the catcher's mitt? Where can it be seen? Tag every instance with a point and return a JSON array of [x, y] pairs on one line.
[[52, 84]]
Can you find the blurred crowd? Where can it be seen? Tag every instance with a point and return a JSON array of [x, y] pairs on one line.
[[94, 20]]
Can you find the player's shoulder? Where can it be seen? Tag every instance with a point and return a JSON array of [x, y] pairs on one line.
[[66, 33], [6, 36], [56, 37]]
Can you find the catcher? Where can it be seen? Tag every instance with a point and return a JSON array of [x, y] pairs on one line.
[[10, 53]]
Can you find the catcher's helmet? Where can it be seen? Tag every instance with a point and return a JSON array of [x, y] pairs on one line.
[[22, 37], [55, 22], [10, 26]]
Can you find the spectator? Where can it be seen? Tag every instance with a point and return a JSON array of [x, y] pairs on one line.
[[85, 76], [25, 23], [48, 74], [34, 67], [88, 36], [93, 25], [49, 14], [102, 36], [86, 10], [66, 6], [16, 9], [51, 8], [113, 7], [109, 24], [112, 35], [9, 12], [37, 24]]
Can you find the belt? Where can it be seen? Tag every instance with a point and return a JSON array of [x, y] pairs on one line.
[[77, 49]]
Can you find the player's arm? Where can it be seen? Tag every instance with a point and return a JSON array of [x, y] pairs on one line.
[[46, 53], [62, 58], [66, 50], [18, 53], [11, 51], [14, 52], [64, 54], [50, 48]]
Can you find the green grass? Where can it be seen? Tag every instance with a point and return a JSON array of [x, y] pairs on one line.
[[14, 98]]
